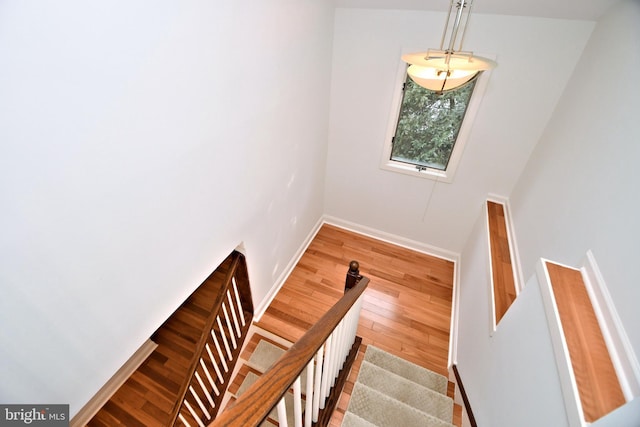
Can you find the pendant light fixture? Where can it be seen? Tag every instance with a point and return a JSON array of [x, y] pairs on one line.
[[448, 67]]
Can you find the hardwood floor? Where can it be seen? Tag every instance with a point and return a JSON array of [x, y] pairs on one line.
[[148, 397], [596, 378], [504, 288], [406, 310]]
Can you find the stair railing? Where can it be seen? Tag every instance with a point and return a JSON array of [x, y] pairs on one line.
[[327, 351], [217, 351]]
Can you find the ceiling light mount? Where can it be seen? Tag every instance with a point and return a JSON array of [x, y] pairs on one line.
[[448, 67]]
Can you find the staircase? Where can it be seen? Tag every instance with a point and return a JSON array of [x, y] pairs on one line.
[[263, 349], [182, 382], [149, 396], [391, 392]]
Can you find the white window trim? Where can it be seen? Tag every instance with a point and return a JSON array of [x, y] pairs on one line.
[[465, 130]]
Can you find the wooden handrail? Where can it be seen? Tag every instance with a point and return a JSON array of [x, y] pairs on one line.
[[255, 404], [203, 338]]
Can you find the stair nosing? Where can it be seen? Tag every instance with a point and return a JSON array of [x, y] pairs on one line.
[[401, 405], [446, 415], [439, 382]]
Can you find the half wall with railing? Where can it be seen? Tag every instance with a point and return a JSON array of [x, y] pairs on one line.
[[327, 351], [217, 352]]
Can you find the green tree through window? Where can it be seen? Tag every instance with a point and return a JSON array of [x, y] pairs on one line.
[[428, 124]]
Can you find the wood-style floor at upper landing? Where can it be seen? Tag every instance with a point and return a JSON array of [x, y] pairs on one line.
[[504, 288], [406, 309]]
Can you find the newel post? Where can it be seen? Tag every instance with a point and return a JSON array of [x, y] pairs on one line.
[[353, 276]]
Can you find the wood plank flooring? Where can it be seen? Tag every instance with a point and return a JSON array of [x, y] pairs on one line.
[[504, 288], [406, 312], [598, 385], [406, 309], [148, 397]]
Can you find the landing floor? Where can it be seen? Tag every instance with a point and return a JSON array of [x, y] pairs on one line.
[[406, 309]]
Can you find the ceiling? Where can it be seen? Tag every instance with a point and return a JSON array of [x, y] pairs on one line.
[[590, 10]]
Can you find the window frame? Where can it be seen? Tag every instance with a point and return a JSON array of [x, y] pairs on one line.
[[448, 174]]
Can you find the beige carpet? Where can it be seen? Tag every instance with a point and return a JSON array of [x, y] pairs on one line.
[[265, 355], [391, 392]]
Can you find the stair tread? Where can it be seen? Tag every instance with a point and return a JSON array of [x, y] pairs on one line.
[[384, 411], [406, 391], [264, 355], [352, 420], [251, 378], [406, 369]]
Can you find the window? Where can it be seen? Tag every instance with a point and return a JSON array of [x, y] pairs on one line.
[[428, 129]]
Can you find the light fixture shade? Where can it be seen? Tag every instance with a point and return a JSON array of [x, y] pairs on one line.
[[449, 67], [438, 80], [452, 61], [441, 71]]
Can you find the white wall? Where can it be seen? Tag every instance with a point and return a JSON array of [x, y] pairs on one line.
[[535, 58], [577, 192], [510, 377], [141, 142]]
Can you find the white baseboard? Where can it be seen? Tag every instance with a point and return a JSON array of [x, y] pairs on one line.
[[103, 395], [356, 228], [393, 239], [455, 310], [264, 304]]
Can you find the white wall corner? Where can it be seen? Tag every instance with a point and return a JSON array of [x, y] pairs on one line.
[[264, 304], [620, 349], [393, 239]]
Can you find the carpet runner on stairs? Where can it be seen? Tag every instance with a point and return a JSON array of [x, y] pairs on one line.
[[266, 353], [391, 391]]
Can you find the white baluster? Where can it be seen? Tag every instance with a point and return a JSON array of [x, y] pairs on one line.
[[237, 295], [337, 361], [229, 328], [193, 414], [328, 350], [211, 381], [348, 340], [213, 362], [308, 407], [353, 321], [224, 338], [335, 346], [297, 403], [199, 401], [217, 344], [203, 386], [317, 384], [184, 421], [233, 314], [282, 413]]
